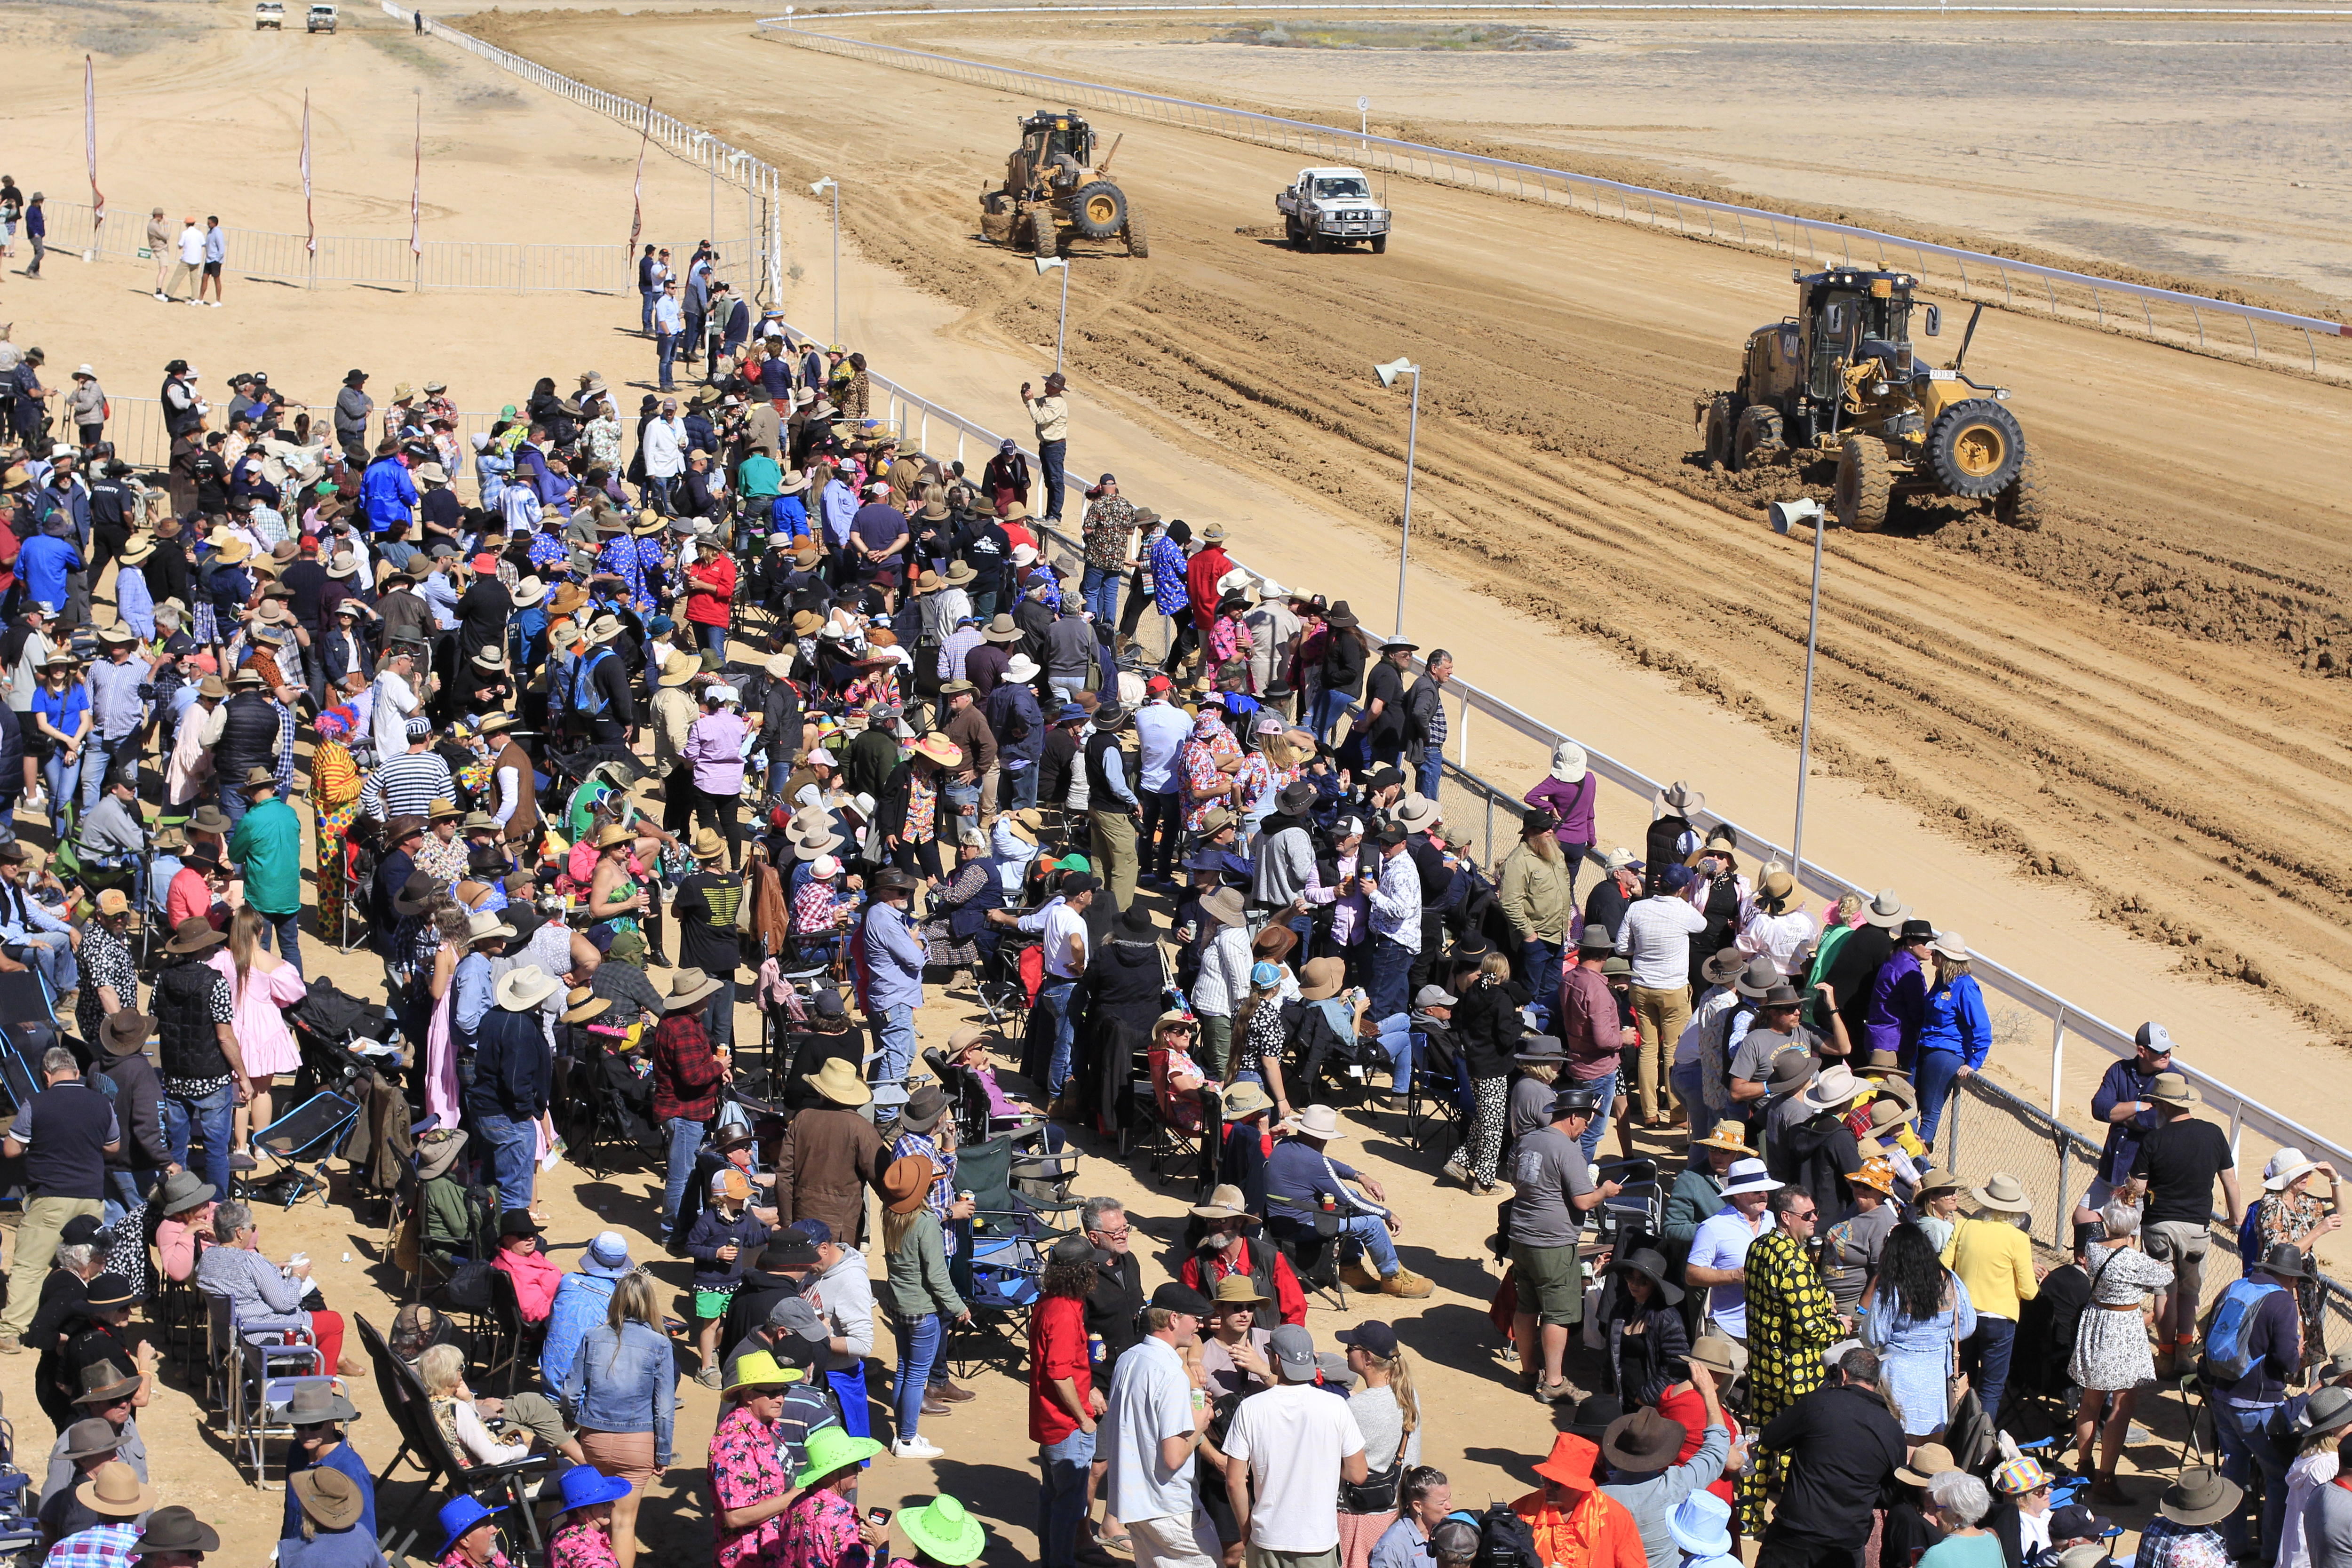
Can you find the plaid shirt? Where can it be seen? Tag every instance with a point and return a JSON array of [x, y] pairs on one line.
[[686, 1070], [942, 1193], [99, 1546]]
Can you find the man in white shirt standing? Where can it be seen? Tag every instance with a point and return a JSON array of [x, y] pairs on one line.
[[1718, 1253], [1654, 937], [191, 264], [1161, 727], [670, 327], [1064, 923], [1287, 1452], [1154, 1425], [394, 701], [665, 449], [1396, 924]]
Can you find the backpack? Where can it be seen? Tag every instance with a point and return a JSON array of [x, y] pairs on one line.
[[2226, 1358], [1505, 1540]]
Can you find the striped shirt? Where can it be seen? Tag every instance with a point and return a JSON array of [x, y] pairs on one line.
[[407, 786]]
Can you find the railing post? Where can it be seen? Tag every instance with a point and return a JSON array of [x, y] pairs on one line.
[[2057, 1056], [2237, 1122]]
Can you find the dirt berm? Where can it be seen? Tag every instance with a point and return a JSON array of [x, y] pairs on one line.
[[2139, 697]]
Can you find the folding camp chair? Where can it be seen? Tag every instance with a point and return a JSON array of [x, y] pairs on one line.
[[422, 1442], [313, 1130]]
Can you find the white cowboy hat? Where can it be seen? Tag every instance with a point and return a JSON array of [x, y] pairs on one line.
[[1748, 1176], [1833, 1088], [521, 990], [1318, 1121], [2285, 1168]]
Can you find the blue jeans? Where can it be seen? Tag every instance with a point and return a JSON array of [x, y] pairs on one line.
[[514, 1150], [918, 1347], [1937, 1071], [285, 934], [665, 351], [1021, 781], [718, 1018], [1399, 1045], [1053, 999], [1330, 707], [1099, 587], [714, 639], [2245, 1450], [126, 1194], [61, 777], [1062, 1496], [1539, 964], [97, 757], [646, 313], [685, 1142], [1392, 977], [1430, 771], [1984, 1356], [1692, 1095], [897, 1039], [213, 1115], [51, 953], [1606, 1087], [233, 804], [1049, 464], [1372, 1233]]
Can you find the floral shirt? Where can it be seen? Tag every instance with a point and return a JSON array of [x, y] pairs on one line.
[[603, 440], [875, 687], [745, 1469], [619, 558], [821, 1531], [1168, 594], [922, 809], [447, 862], [581, 1544], [1109, 523], [1211, 743], [548, 551], [104, 961], [456, 1558], [1229, 642]]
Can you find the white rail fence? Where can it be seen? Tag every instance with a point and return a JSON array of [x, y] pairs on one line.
[[2165, 315], [725, 162], [916, 416], [385, 261]]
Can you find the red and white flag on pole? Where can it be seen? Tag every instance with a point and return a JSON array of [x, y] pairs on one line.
[[417, 188], [309, 219], [89, 147], [637, 193]]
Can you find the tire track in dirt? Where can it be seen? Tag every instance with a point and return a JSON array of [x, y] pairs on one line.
[[2027, 693]]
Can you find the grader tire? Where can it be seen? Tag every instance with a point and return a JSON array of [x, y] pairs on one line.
[[1757, 440], [1099, 210], [1866, 485], [1138, 242], [1042, 237], [2020, 506], [1975, 448], [1719, 421]]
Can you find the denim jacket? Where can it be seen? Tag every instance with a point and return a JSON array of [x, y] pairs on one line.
[[624, 1384], [581, 1302]]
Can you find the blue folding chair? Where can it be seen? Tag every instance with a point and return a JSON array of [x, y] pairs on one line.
[[313, 1130]]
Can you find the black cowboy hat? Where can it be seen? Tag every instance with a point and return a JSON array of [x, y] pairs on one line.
[[1652, 1266]]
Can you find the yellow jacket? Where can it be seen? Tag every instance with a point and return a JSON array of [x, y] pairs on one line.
[[1995, 1261]]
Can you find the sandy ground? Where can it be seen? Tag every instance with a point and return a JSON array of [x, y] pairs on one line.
[[2180, 767], [2211, 156], [2143, 658]]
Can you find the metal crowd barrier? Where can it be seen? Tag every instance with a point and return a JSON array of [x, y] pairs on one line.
[[1813, 240]]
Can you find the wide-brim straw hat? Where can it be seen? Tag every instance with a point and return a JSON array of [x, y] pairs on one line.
[[2285, 1168], [940, 749], [688, 986], [2003, 1191], [1877, 1173], [838, 1082], [2173, 1089], [1729, 1136], [1223, 1203], [1245, 1099], [1321, 978], [1886, 909], [1319, 1122], [115, 1491], [1927, 1461], [523, 989]]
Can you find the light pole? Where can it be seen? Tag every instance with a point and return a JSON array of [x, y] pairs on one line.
[[1786, 515], [1044, 265], [818, 189], [1388, 373]]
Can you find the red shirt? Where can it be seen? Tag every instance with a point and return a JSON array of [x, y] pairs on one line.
[[1289, 1300], [1057, 1348], [1689, 1409], [709, 588], [685, 1070], [1201, 583]]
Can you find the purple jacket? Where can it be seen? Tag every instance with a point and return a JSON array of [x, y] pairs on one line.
[[1571, 803], [1898, 1001]]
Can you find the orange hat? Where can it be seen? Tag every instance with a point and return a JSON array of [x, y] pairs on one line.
[[1570, 1461], [731, 1183]]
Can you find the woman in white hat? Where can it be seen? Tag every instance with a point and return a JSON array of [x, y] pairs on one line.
[[1955, 1032], [2289, 1211], [1568, 791]]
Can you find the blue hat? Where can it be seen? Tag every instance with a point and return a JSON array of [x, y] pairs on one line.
[[1675, 879], [459, 1515], [1263, 974], [1700, 1525], [585, 1486], [661, 625], [817, 1230], [1071, 713], [608, 1257]]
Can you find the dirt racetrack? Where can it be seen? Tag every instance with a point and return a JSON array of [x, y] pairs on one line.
[[2137, 696]]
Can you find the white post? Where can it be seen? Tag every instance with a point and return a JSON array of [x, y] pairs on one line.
[[1404, 541], [2057, 1056], [1062, 323]]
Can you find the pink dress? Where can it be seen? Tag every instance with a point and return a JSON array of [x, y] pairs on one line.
[[441, 1061], [260, 1023]]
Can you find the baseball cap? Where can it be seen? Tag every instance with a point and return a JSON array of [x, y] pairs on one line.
[[1293, 1349], [1372, 1335], [2154, 1038], [1175, 1297], [2076, 1522], [817, 1230], [794, 1315]]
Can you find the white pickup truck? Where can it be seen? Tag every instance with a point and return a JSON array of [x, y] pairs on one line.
[[1324, 207], [269, 14]]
